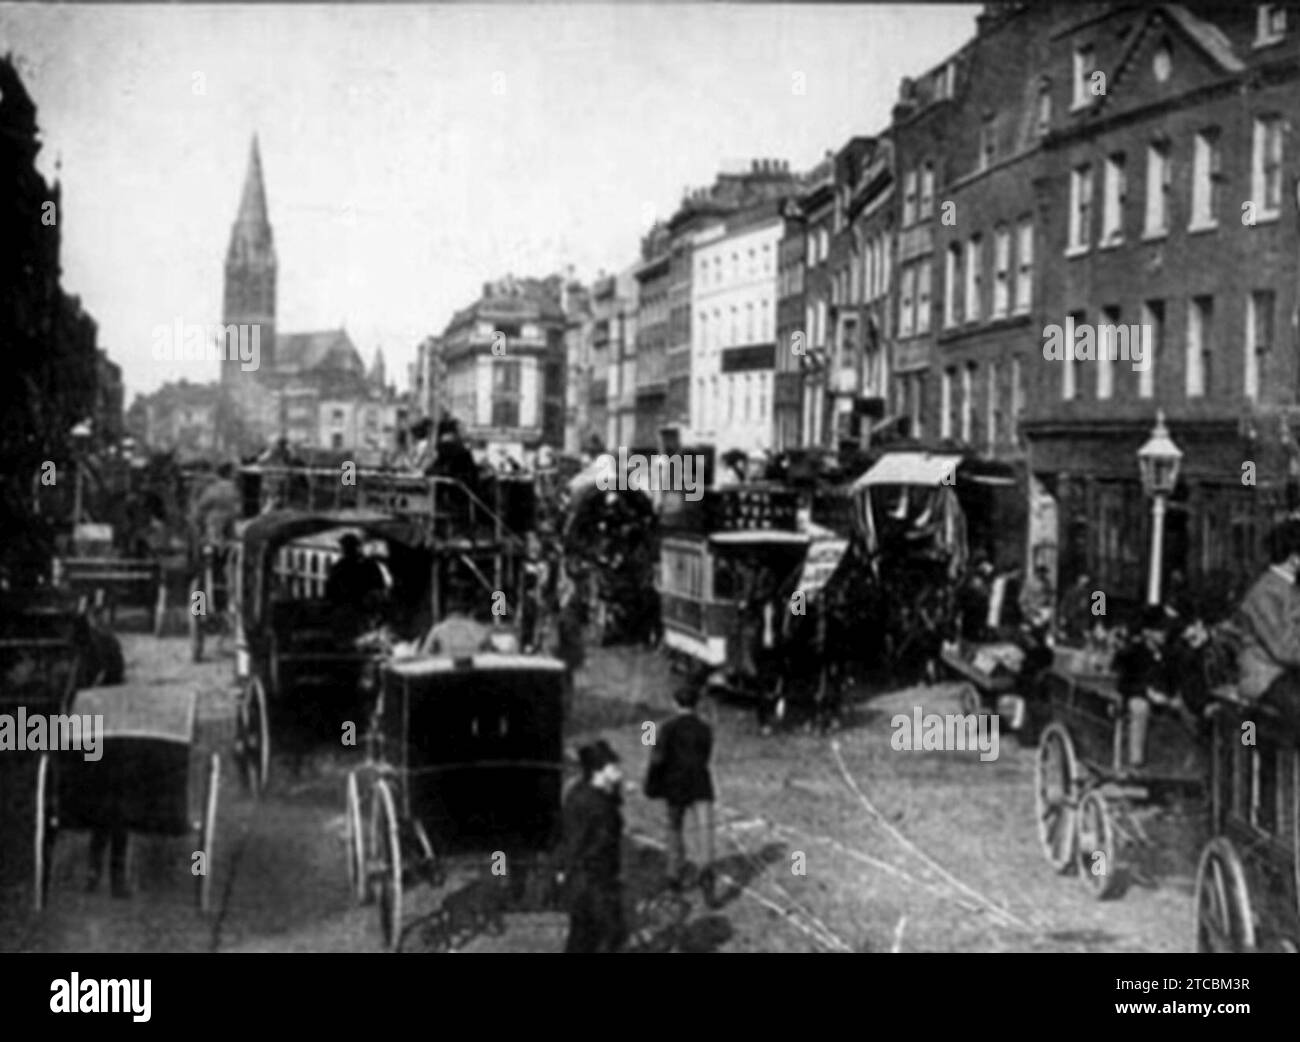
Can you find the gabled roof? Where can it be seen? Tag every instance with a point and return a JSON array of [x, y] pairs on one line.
[[306, 351], [1207, 38]]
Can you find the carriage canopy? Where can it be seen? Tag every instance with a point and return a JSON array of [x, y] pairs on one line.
[[263, 536], [159, 712], [911, 497]]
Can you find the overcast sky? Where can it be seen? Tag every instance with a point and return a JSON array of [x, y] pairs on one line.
[[411, 153]]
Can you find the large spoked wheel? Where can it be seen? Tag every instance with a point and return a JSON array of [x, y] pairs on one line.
[[1224, 922], [356, 842], [207, 834], [46, 826], [386, 865], [255, 738], [1097, 855], [1056, 795]]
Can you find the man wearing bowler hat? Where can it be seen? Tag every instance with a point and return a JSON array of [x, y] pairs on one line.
[[593, 835]]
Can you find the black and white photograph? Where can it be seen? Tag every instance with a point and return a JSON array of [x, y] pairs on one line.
[[651, 478]]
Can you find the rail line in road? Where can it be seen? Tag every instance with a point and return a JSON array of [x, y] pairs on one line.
[[999, 912], [794, 914]]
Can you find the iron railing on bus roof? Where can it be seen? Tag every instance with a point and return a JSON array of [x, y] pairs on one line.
[[403, 494]]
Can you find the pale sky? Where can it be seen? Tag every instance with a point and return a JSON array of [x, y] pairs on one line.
[[398, 179]]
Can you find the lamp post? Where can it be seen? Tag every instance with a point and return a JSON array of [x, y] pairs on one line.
[[80, 440], [1158, 463]]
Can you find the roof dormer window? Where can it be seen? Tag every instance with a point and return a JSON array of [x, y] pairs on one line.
[[1270, 24]]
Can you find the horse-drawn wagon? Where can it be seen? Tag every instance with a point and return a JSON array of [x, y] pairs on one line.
[[464, 768], [152, 766]]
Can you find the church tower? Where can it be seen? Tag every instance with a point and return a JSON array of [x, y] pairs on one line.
[[250, 274]]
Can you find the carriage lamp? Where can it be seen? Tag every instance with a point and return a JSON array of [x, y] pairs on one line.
[[1158, 463]]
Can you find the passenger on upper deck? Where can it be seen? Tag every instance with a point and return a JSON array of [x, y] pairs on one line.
[[1268, 661]]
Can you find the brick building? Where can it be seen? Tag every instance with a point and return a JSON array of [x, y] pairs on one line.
[[1168, 202]]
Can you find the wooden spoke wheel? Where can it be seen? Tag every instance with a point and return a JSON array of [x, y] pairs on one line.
[[969, 701], [1056, 796], [385, 865], [356, 842], [1095, 849], [207, 833], [255, 738], [46, 827], [1224, 922]]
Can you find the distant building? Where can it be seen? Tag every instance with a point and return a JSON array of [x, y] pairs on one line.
[[500, 364], [296, 374]]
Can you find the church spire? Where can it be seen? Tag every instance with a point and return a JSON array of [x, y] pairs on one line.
[[252, 208], [251, 269]]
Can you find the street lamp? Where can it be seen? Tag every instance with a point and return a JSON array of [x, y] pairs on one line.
[[80, 440], [1158, 462]]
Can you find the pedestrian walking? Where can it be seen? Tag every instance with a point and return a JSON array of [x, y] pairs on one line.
[[592, 853], [678, 774]]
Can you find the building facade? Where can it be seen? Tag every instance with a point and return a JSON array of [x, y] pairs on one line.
[[653, 278], [734, 342], [502, 364], [1167, 211]]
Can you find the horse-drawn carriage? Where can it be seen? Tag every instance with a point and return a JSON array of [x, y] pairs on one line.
[[921, 518], [464, 769], [302, 665], [98, 575], [155, 769], [1095, 809], [1248, 877]]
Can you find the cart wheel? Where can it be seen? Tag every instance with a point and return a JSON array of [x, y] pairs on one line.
[[1095, 848], [356, 842], [1224, 922], [969, 701], [386, 866], [46, 827], [255, 738], [1056, 794], [207, 832]]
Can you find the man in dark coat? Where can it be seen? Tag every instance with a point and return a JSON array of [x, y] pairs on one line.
[[1142, 677], [679, 774], [1268, 620], [355, 580], [592, 854]]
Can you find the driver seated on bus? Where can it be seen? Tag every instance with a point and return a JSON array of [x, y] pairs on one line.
[[355, 580]]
